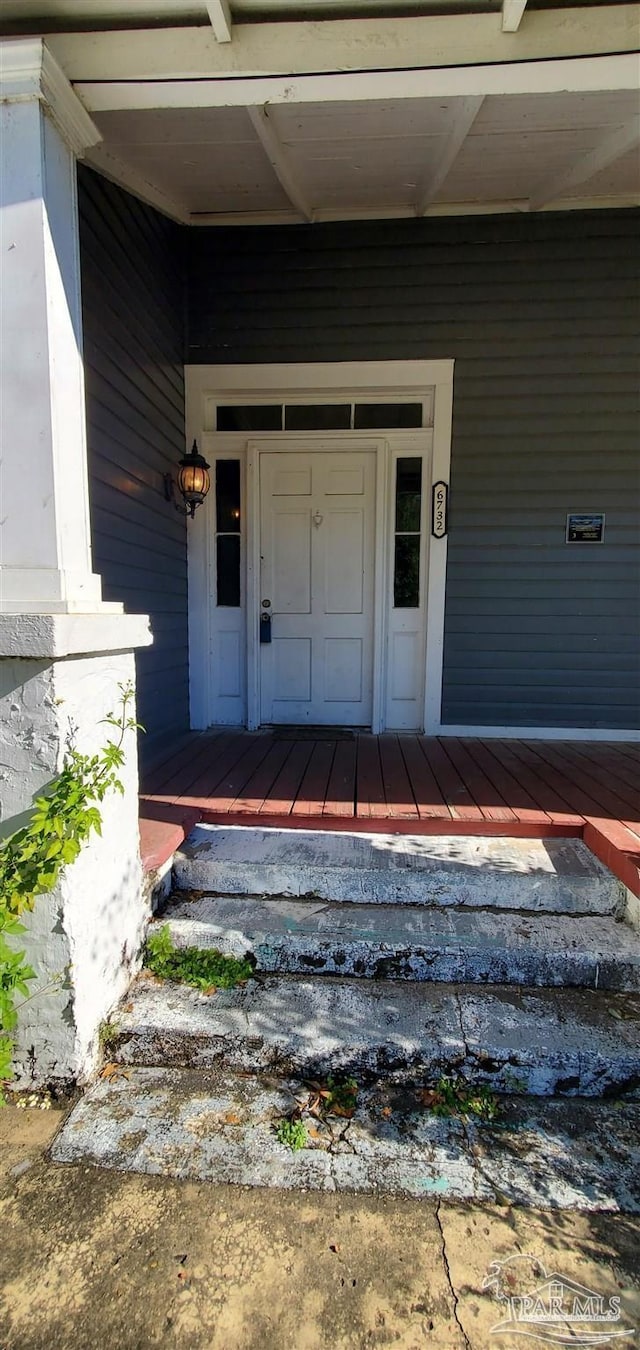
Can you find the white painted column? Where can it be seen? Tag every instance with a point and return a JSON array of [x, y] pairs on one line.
[[64, 654], [45, 549]]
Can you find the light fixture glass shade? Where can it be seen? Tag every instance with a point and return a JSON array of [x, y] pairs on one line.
[[194, 479]]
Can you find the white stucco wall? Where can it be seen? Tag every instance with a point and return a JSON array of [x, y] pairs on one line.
[[29, 735], [85, 937]]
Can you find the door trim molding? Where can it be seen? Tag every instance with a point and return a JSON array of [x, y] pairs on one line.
[[321, 381]]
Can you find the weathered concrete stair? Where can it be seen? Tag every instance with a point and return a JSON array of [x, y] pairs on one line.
[[498, 959], [395, 960], [219, 1126], [412, 942], [541, 1041], [557, 876]]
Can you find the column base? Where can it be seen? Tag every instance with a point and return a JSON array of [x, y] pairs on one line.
[[59, 672]]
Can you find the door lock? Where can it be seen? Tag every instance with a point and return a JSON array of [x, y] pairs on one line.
[[265, 627]]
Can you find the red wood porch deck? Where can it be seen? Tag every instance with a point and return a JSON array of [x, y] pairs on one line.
[[397, 783]]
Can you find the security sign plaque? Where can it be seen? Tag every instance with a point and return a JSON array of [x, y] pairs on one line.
[[586, 527], [439, 510]]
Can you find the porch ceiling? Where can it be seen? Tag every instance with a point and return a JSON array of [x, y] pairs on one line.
[[235, 111], [411, 156]]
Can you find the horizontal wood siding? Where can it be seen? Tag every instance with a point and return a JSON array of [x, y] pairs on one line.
[[133, 315], [541, 316]]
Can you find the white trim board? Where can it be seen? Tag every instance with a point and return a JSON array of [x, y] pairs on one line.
[[570, 75], [538, 733], [292, 47], [358, 378], [325, 381]]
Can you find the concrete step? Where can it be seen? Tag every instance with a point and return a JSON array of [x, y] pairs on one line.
[[541, 1041], [412, 942], [220, 1127], [556, 876]]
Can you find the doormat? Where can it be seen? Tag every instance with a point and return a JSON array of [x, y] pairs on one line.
[[313, 734]]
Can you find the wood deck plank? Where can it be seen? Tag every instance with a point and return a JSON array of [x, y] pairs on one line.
[[182, 767], [340, 798], [627, 748], [622, 801], [313, 788], [282, 795], [251, 799], [623, 773], [606, 802], [152, 761], [523, 805], [397, 785], [371, 802], [556, 775], [234, 777], [221, 757], [491, 804], [550, 800], [199, 771], [455, 792], [429, 799], [616, 849]]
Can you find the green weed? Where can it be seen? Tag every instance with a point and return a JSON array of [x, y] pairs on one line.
[[203, 967], [293, 1133], [341, 1099], [455, 1097]]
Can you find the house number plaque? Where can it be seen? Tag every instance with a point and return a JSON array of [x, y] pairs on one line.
[[439, 509]]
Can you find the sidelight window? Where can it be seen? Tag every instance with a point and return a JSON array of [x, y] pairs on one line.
[[408, 521], [228, 533]]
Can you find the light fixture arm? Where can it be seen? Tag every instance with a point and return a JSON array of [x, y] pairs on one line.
[[170, 496]]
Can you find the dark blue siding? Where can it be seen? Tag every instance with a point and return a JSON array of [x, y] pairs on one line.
[[541, 316], [133, 316]]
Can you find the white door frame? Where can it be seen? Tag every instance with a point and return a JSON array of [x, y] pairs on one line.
[[371, 381], [301, 444]]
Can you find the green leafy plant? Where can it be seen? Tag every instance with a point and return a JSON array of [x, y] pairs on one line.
[[456, 1097], [203, 967], [33, 859], [108, 1035], [293, 1133], [340, 1099]]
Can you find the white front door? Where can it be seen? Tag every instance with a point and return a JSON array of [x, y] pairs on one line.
[[317, 521]]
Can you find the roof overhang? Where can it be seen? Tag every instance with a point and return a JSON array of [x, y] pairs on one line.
[[344, 119]]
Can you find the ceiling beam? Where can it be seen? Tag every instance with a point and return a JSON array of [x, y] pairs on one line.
[[536, 77], [512, 11], [264, 126], [611, 148], [290, 49], [220, 19], [465, 112]]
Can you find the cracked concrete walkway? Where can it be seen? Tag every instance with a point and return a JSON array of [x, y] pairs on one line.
[[127, 1262]]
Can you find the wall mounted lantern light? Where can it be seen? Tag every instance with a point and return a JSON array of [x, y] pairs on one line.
[[194, 482]]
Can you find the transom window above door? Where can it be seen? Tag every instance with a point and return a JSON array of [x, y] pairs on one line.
[[369, 416]]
